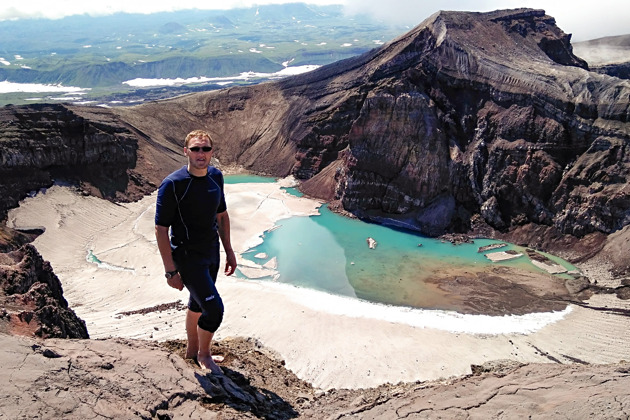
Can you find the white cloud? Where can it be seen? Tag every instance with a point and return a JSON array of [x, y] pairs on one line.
[[287, 71], [585, 20], [9, 87], [14, 9]]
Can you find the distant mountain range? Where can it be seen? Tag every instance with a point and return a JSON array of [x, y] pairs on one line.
[[466, 119], [609, 55], [101, 53]]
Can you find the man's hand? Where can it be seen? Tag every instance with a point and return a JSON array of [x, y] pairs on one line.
[[230, 262], [176, 282]]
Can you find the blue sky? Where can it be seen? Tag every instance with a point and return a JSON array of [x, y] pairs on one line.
[[585, 20]]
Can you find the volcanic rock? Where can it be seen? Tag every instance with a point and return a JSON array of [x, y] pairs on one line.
[[43, 143], [470, 121], [32, 299], [468, 113], [116, 378]]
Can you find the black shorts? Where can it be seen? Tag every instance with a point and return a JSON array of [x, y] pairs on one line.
[[199, 274]]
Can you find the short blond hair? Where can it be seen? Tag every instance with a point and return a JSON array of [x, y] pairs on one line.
[[198, 133]]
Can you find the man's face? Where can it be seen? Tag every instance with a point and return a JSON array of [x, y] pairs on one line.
[[197, 158]]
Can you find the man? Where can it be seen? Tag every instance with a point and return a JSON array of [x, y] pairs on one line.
[[191, 203]]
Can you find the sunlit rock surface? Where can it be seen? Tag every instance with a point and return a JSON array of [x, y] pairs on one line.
[[468, 113]]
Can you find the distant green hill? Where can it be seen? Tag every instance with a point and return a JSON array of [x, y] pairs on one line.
[[115, 73], [102, 52]]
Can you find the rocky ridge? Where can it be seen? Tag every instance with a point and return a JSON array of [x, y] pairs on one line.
[[43, 143], [468, 114], [470, 121], [31, 297]]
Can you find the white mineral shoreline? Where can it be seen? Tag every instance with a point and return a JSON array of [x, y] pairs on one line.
[[330, 341]]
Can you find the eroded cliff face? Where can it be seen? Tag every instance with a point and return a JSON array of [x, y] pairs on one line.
[[468, 114], [43, 143], [496, 117]]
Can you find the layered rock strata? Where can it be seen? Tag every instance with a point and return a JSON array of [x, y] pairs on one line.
[[468, 114], [469, 118], [486, 114], [41, 144]]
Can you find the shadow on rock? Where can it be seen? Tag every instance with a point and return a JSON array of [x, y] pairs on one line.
[[235, 390]]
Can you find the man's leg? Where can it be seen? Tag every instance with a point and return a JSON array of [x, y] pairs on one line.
[[204, 356], [205, 311], [192, 348], [191, 332]]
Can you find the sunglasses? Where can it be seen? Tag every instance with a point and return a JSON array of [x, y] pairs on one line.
[[197, 148]]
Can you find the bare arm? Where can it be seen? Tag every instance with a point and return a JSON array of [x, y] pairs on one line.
[[223, 220], [164, 246]]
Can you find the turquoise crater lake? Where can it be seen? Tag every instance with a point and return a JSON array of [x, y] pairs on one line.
[[330, 253]]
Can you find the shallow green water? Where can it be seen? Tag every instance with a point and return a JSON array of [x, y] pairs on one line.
[[330, 253], [257, 179], [293, 191], [246, 178]]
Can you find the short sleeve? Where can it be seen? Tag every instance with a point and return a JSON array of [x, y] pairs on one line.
[[165, 205]]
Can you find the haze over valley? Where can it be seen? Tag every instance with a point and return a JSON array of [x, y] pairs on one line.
[[126, 58], [120, 58]]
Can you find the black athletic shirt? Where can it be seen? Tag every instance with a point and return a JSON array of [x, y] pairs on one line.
[[189, 205]]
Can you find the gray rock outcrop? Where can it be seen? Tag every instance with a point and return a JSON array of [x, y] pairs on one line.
[[31, 298]]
